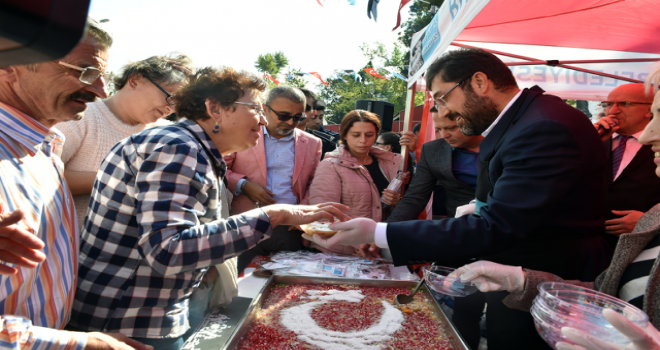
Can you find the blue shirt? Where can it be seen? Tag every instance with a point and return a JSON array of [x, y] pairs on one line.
[[280, 159], [465, 165]]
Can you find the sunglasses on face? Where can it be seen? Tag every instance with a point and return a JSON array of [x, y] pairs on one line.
[[308, 108], [285, 117]]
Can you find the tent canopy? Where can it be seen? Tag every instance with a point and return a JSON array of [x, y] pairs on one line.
[[578, 49]]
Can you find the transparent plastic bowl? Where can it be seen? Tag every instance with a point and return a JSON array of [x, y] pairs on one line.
[[563, 305], [437, 278]]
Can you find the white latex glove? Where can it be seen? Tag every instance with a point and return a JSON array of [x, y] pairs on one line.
[[353, 232], [642, 338], [491, 277], [465, 209]]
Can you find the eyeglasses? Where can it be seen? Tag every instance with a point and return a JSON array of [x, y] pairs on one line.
[[89, 75], [308, 108], [610, 104], [380, 143], [441, 100], [257, 107], [168, 98], [285, 117]]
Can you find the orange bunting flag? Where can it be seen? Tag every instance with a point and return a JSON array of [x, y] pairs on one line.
[[318, 76], [267, 76], [373, 72]]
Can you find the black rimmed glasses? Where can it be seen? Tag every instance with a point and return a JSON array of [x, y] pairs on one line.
[[610, 104], [255, 107], [308, 108], [285, 117], [88, 75], [441, 100], [168, 98]]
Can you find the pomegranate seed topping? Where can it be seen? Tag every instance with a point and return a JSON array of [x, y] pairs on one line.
[[365, 314]]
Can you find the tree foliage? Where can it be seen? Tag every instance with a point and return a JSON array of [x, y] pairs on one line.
[[275, 65], [340, 94]]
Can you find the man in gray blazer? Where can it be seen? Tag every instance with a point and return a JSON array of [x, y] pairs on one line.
[[451, 161]]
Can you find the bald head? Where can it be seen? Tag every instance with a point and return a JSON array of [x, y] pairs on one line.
[[633, 118]]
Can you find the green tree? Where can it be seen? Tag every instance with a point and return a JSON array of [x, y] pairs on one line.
[[275, 64], [340, 94]]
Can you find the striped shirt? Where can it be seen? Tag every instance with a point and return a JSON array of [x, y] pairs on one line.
[[152, 231], [31, 177], [632, 286]]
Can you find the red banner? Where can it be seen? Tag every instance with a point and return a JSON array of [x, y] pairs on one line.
[[398, 16], [318, 76], [373, 72], [267, 76]]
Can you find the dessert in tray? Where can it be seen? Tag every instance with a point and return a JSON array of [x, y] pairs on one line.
[[318, 228], [299, 316]]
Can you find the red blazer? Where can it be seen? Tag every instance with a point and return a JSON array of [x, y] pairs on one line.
[[250, 164]]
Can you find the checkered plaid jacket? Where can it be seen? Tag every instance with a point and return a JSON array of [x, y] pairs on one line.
[[152, 230]]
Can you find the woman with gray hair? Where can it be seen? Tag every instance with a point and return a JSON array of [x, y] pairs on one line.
[[143, 97]]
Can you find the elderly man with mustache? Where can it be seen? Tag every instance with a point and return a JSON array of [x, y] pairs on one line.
[[36, 299]]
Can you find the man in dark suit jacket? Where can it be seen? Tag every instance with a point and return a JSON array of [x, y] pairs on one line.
[[633, 188], [541, 169], [435, 165]]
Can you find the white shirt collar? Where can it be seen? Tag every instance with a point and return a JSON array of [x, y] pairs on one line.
[[490, 128]]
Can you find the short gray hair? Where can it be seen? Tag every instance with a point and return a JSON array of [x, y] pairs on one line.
[[95, 31], [291, 93], [166, 70]]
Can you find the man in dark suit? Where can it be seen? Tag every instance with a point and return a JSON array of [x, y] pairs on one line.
[[436, 165], [633, 186], [540, 189]]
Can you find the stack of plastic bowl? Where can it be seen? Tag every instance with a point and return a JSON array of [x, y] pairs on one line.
[[438, 279], [563, 305]]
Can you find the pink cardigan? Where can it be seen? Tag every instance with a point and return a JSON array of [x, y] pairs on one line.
[[341, 178], [251, 165]]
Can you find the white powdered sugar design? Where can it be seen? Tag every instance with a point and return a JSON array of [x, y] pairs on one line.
[[299, 320]]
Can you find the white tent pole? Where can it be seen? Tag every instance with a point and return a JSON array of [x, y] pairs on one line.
[[550, 63], [407, 118]]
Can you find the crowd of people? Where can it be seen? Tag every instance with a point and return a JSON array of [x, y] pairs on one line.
[[118, 227]]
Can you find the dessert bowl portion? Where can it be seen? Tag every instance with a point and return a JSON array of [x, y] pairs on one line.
[[318, 228]]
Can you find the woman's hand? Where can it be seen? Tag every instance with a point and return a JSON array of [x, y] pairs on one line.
[[391, 197], [408, 139], [287, 214], [406, 178], [369, 251], [647, 338], [491, 277]]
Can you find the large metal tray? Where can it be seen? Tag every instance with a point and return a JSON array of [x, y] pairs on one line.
[[244, 324]]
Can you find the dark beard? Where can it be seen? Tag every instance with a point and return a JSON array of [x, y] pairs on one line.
[[478, 113]]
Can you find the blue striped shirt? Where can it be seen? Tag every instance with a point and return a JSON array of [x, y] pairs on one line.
[[31, 178]]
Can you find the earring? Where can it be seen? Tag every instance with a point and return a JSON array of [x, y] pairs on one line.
[[216, 128]]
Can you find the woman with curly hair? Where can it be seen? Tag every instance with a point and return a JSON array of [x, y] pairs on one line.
[[143, 97], [154, 225]]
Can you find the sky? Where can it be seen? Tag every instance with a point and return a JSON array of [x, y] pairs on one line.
[[234, 32]]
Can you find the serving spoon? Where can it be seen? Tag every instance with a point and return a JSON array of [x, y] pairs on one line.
[[402, 299]]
